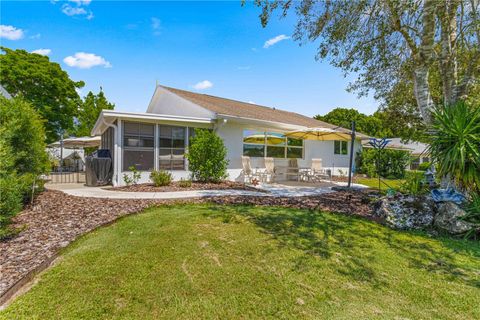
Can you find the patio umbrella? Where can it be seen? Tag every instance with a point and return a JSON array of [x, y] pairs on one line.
[[79, 142], [320, 134], [260, 138], [328, 134]]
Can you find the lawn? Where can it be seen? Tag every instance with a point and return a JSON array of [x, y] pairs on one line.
[[386, 183], [223, 262]]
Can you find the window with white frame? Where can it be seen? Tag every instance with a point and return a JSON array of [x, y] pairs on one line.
[[138, 146], [340, 147], [271, 144]]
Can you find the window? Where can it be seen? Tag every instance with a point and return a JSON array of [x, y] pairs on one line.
[[138, 146], [341, 147], [271, 144], [171, 148]]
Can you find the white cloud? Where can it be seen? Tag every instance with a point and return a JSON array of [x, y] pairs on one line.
[[81, 2], [35, 36], [85, 60], [73, 11], [10, 32], [251, 102], [272, 41], [156, 26], [202, 85], [43, 52]]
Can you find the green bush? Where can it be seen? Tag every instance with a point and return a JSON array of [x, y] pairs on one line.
[[207, 157], [424, 166], [473, 216], [414, 184], [22, 155], [392, 163], [185, 183], [161, 178], [455, 144]]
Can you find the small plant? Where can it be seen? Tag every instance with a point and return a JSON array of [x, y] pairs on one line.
[[414, 184], [473, 216], [185, 183], [133, 178], [161, 178]]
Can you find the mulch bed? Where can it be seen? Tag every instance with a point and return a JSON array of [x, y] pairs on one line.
[[56, 219], [175, 186]]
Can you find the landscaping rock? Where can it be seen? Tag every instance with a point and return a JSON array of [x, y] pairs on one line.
[[406, 212], [448, 218]]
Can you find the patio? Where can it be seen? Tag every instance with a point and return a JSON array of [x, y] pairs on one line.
[[284, 189]]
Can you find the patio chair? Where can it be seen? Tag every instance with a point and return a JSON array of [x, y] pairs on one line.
[[270, 170], [248, 172], [292, 170], [317, 172]]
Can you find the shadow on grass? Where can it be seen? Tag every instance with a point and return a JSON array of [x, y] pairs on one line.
[[325, 235]]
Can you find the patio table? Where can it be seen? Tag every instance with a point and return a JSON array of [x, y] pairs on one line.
[[298, 172]]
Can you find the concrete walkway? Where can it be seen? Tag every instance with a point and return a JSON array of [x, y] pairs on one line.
[[273, 190]]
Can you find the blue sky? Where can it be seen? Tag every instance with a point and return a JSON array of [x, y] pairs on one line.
[[217, 48]]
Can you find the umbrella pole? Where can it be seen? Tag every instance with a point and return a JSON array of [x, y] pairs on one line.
[[351, 155]]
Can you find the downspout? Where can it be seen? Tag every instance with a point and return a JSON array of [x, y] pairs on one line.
[[115, 148]]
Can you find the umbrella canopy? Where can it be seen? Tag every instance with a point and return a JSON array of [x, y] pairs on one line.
[[320, 134], [260, 138], [79, 142]]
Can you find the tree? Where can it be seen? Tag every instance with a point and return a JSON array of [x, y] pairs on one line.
[[343, 117], [90, 110], [378, 38], [45, 85]]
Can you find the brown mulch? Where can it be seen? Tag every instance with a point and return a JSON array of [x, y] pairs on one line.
[[56, 219], [175, 186]]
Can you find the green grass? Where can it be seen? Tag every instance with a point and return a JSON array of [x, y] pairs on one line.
[[373, 183], [224, 262]]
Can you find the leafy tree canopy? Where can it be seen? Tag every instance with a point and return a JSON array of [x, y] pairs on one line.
[[89, 111], [387, 42], [45, 85]]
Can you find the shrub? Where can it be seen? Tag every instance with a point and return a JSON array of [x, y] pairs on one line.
[[424, 166], [455, 144], [185, 183], [207, 157], [414, 184], [473, 216], [392, 163], [161, 178], [132, 178], [22, 154]]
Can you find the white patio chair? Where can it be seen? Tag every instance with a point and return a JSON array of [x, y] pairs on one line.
[[270, 171], [317, 172], [248, 172]]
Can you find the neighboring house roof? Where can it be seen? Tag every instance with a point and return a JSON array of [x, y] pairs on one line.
[[4, 92], [417, 147], [234, 108]]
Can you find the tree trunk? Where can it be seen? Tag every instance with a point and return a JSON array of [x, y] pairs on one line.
[[448, 58], [422, 92], [423, 60]]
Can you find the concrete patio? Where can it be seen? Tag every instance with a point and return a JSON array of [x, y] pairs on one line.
[[285, 189]]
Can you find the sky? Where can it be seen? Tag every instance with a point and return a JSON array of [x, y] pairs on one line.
[[216, 48]]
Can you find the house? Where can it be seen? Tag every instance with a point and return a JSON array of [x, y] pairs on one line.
[[159, 138]]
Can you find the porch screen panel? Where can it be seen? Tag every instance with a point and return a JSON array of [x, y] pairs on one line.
[[172, 148], [138, 146]]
